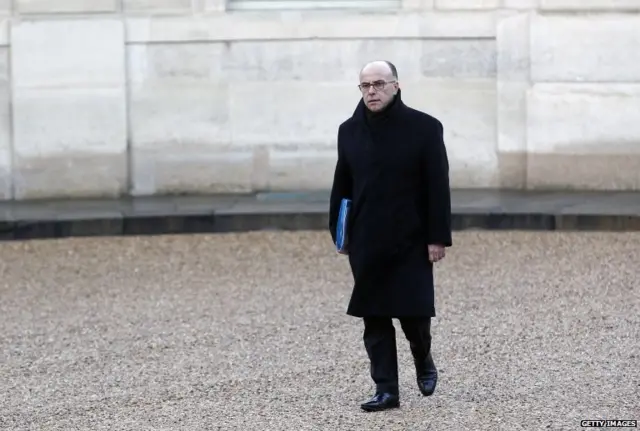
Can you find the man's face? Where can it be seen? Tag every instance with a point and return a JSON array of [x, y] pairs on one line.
[[378, 86]]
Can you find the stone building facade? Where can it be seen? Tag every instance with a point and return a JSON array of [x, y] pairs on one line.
[[143, 97]]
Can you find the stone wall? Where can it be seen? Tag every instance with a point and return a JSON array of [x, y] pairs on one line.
[[142, 97]]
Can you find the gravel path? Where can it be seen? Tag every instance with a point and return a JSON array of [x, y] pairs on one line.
[[249, 332]]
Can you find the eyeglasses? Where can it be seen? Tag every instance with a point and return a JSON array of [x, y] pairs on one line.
[[377, 85]]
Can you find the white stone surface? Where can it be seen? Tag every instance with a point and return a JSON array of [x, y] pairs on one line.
[[520, 4], [68, 6], [513, 83], [467, 110], [298, 60], [69, 108], [460, 59], [278, 110], [45, 54], [6, 6], [173, 167], [598, 126], [5, 22], [224, 123], [309, 25], [5, 128], [194, 63], [590, 5], [179, 102], [585, 48], [572, 117], [156, 6], [5, 174], [304, 121], [467, 4], [417, 4], [251, 101], [211, 5], [307, 168], [289, 113]]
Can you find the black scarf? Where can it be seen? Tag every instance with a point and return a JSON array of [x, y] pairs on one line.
[[376, 118]]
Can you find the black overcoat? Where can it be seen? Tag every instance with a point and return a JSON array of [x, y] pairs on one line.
[[394, 167]]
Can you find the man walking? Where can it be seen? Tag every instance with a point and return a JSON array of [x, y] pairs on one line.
[[393, 165]]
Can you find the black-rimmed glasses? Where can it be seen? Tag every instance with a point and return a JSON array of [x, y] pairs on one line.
[[377, 85]]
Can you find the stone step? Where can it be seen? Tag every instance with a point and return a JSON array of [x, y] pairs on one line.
[[472, 209]]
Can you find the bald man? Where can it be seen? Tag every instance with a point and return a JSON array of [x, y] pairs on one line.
[[392, 163]]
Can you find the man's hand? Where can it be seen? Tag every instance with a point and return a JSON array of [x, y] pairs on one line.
[[436, 252]]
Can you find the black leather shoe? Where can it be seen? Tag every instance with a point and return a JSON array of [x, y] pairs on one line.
[[381, 401], [427, 376]]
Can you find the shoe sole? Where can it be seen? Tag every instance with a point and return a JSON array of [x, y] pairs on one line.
[[380, 409], [427, 393]]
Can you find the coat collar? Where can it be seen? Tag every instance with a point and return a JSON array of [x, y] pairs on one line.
[[398, 106]]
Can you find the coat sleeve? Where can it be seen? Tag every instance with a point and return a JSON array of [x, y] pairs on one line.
[[342, 186], [438, 199]]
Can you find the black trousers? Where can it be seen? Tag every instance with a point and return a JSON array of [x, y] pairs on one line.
[[380, 343]]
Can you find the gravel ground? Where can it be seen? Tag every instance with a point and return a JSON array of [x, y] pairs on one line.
[[249, 332]]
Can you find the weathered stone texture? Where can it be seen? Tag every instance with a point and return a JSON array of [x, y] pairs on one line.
[[66, 6], [415, 4], [513, 83], [310, 25], [211, 5], [278, 97], [460, 59], [594, 48], [607, 5], [250, 101], [520, 4], [584, 136], [298, 60], [467, 4], [6, 6], [157, 5], [69, 113], [467, 110], [5, 128]]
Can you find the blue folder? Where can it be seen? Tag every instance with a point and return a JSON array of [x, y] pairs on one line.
[[342, 239]]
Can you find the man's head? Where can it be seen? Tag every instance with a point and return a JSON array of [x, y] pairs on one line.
[[379, 84]]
